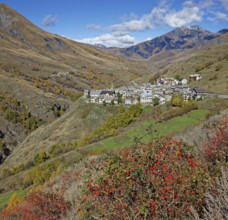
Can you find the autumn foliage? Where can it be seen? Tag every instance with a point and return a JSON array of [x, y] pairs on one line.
[[215, 149], [159, 180], [37, 205]]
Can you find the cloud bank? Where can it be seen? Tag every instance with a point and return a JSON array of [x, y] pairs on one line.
[[111, 40]]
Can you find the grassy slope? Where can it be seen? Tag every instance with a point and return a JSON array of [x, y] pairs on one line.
[[50, 52], [79, 120], [208, 53], [126, 138], [140, 132]]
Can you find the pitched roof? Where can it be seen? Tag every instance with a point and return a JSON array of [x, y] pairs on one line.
[[198, 90], [104, 92]]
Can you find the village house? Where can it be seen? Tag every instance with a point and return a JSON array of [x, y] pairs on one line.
[[168, 81], [183, 81], [108, 93], [195, 77], [109, 100], [131, 101], [147, 92], [197, 93], [146, 97], [86, 93], [161, 99], [94, 93]]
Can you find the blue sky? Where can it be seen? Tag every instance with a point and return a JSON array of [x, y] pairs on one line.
[[121, 23]]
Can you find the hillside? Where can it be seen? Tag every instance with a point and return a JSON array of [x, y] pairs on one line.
[[42, 74], [211, 61], [36, 52], [150, 124], [79, 120]]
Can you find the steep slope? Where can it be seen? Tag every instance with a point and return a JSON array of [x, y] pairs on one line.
[[28, 47], [79, 120], [44, 74]]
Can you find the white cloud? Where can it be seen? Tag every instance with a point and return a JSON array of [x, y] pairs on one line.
[[132, 16], [218, 16], [190, 13], [49, 21], [94, 27], [133, 25], [162, 15], [111, 40], [149, 38]]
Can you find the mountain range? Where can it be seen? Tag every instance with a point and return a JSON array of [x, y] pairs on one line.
[[179, 39]]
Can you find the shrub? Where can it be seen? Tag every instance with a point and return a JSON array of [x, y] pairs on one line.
[[177, 100], [217, 202], [38, 205], [6, 172], [218, 67], [215, 149], [109, 128], [198, 68], [209, 63], [155, 101], [155, 181], [177, 77], [41, 174], [215, 76]]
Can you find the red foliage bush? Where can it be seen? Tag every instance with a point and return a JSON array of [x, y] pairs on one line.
[[216, 147], [38, 205], [160, 181]]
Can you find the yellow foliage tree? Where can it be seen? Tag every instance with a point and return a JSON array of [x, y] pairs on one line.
[[14, 201]]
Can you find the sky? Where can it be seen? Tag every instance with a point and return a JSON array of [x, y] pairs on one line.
[[121, 23]]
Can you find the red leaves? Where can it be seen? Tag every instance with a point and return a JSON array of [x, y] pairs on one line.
[[38, 205], [216, 147], [147, 179]]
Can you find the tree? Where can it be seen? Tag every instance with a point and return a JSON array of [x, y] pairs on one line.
[[121, 109], [112, 103], [1, 147], [156, 101], [119, 96], [139, 99], [14, 201], [177, 77], [177, 101], [104, 103]]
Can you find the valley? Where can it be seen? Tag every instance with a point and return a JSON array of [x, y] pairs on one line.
[[81, 124]]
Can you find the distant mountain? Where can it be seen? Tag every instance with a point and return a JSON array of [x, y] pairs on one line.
[[179, 39], [99, 45], [223, 31]]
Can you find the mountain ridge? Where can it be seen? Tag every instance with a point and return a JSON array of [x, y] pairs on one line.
[[181, 38]]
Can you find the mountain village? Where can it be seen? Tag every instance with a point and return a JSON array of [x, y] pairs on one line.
[[162, 91]]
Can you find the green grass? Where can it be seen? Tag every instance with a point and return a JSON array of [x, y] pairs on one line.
[[143, 133], [199, 114], [175, 125], [147, 123], [4, 199], [147, 109]]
